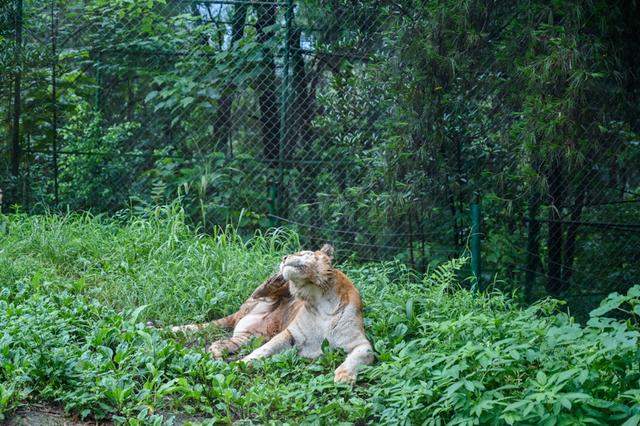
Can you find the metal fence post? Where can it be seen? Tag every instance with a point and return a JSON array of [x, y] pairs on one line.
[[476, 261]]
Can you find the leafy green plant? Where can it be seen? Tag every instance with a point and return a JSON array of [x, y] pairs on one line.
[[78, 290], [96, 171]]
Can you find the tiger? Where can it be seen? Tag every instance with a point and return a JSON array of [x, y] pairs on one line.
[[306, 303]]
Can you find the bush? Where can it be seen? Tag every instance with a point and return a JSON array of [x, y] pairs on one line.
[[76, 291]]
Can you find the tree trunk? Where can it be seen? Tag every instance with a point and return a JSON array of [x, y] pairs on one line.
[[17, 103], [301, 115], [267, 87], [555, 284], [572, 233], [533, 245], [222, 120], [303, 111], [454, 220]]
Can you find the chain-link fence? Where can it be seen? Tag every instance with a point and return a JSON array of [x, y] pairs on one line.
[[263, 113]]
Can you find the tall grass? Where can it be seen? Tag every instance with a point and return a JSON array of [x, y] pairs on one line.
[[75, 291], [156, 260]]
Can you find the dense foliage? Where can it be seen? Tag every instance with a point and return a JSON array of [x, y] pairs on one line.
[[391, 116], [76, 292]]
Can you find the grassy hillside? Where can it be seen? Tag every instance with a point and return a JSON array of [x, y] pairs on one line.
[[75, 292]]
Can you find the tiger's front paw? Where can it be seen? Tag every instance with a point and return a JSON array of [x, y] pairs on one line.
[[343, 375], [216, 351]]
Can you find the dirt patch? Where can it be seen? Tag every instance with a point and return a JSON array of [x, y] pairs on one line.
[[41, 415]]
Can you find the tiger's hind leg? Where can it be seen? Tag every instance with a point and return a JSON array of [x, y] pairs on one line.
[[222, 347], [226, 323]]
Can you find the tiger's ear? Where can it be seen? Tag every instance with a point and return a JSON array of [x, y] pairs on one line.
[[328, 250]]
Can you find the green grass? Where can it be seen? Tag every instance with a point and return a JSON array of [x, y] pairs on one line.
[[75, 292]]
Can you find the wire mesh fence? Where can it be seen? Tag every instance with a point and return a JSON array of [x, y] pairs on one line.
[[286, 113]]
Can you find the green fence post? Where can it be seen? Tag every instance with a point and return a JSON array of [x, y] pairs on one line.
[[476, 261]]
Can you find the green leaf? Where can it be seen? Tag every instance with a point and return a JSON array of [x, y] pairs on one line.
[[612, 302], [185, 102], [150, 96], [409, 308], [632, 421], [136, 313]]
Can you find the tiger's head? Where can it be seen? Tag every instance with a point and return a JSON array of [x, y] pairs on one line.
[[309, 268]]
